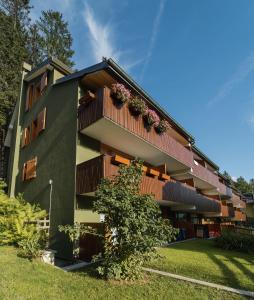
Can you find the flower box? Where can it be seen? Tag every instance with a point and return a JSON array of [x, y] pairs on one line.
[[120, 93]]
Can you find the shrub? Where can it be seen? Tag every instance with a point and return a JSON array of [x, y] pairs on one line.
[[18, 219], [162, 126], [133, 224], [32, 246], [230, 240], [137, 106], [120, 92], [151, 118]]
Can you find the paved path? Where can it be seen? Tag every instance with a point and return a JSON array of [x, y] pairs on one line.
[[201, 282]]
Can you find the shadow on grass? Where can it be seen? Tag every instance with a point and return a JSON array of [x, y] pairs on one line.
[[227, 273], [249, 274]]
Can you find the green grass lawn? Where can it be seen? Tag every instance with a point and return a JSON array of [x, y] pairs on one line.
[[21, 279], [200, 259]]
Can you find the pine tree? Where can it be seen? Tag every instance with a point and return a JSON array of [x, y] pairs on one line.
[[229, 178], [242, 185], [34, 46], [13, 52], [18, 10], [57, 40]]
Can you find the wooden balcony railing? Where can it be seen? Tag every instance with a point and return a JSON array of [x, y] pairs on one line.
[[225, 190], [104, 106], [89, 174], [227, 211], [206, 175], [239, 216], [237, 202]]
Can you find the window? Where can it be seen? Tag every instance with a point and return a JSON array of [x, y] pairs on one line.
[[31, 132], [29, 169], [34, 91], [26, 137]]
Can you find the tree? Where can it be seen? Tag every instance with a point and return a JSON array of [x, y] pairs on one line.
[[133, 224], [251, 184], [228, 177], [57, 40], [13, 52], [34, 45], [242, 185], [18, 10]]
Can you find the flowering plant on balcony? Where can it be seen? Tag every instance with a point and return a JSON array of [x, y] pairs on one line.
[[120, 92], [151, 118], [137, 106], [162, 126]]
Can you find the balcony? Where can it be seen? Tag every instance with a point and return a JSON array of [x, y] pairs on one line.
[[239, 216], [205, 175], [179, 196], [237, 202], [227, 211], [101, 119]]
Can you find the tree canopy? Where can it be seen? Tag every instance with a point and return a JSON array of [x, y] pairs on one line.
[[133, 224]]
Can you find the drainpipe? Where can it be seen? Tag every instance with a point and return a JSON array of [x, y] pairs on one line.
[[50, 198]]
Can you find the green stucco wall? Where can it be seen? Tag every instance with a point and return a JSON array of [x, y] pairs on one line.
[[250, 210], [87, 148], [55, 149]]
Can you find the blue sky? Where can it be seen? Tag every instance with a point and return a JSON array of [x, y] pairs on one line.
[[196, 58]]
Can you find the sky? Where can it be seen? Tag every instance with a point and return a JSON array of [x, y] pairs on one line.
[[196, 58]]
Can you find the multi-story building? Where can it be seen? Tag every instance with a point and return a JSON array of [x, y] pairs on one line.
[[249, 200], [67, 132]]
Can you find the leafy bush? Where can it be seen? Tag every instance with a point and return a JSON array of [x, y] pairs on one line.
[[133, 224], [137, 106], [32, 246], [74, 232], [18, 220], [230, 240]]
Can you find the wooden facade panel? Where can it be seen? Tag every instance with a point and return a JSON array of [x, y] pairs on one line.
[[104, 106], [90, 172], [205, 174]]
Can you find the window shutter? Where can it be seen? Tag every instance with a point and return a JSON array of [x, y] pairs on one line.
[[34, 130], [24, 172], [44, 81], [41, 121], [31, 96], [25, 137], [23, 143], [30, 172], [27, 98]]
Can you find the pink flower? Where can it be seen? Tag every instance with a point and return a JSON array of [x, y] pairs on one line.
[[121, 91], [152, 117]]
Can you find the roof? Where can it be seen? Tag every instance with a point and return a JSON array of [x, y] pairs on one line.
[[113, 67], [51, 61]]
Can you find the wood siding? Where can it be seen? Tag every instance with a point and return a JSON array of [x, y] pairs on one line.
[[90, 172], [104, 106]]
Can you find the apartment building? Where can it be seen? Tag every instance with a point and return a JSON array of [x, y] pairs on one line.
[[68, 131]]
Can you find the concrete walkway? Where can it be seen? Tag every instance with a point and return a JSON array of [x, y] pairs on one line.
[[201, 282]]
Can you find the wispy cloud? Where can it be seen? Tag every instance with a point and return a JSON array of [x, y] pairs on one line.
[[101, 36], [245, 68], [155, 31]]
